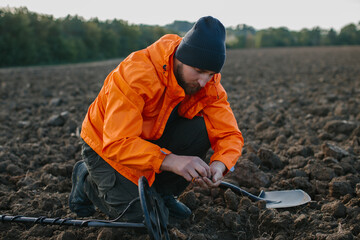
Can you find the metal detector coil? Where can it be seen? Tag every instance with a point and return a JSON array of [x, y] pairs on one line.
[[154, 219]]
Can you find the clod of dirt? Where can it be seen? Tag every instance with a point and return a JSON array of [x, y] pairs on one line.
[[55, 102], [66, 235], [199, 236], [189, 199], [300, 150], [340, 236], [317, 170], [247, 174], [338, 188], [56, 121], [269, 159], [331, 150], [38, 230], [340, 127], [336, 209], [231, 200], [301, 221], [14, 170], [245, 203], [106, 234], [176, 234], [358, 189]]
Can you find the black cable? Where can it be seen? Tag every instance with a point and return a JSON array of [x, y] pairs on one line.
[[15, 217], [54, 221], [63, 221], [39, 220], [84, 223], [123, 212]]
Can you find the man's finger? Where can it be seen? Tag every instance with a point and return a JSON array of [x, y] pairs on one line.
[[216, 177], [208, 181], [188, 177], [205, 167], [203, 172], [201, 182]]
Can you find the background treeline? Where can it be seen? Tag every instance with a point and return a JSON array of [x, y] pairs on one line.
[[28, 38], [243, 36]]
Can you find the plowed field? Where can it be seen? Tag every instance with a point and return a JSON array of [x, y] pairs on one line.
[[299, 112]]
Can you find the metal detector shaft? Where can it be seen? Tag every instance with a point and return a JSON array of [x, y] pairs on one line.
[[69, 222], [155, 220]]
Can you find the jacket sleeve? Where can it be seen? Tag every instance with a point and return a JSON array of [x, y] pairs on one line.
[[123, 126], [224, 135]]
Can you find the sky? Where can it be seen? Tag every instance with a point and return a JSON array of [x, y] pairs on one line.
[[260, 14]]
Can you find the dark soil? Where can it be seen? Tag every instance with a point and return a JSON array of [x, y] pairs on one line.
[[298, 109]]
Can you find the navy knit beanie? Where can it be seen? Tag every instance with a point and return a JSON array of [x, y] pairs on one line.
[[203, 46]]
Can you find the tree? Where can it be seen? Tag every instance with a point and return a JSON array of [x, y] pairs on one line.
[[92, 38], [274, 37], [332, 37], [315, 36], [241, 36], [180, 27], [348, 35]]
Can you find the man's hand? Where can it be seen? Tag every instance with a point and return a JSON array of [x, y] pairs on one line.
[[217, 169], [189, 167]]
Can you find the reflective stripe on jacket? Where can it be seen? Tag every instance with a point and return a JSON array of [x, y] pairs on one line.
[[135, 103]]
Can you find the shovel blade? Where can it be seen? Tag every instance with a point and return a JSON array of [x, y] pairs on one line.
[[285, 199]]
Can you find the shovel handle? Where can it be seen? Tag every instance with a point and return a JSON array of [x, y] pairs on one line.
[[239, 191]]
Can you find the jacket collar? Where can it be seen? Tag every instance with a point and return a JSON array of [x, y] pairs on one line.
[[161, 55]]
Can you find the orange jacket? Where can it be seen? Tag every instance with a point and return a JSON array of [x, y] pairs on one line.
[[135, 103]]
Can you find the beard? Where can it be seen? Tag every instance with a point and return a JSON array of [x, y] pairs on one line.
[[188, 89]]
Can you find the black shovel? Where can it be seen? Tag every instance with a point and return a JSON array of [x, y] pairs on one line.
[[274, 199]]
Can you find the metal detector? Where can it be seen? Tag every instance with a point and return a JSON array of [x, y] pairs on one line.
[[154, 219]]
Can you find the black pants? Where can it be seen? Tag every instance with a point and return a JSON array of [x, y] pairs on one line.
[[111, 192]]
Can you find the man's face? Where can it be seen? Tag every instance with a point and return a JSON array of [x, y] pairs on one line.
[[191, 79]]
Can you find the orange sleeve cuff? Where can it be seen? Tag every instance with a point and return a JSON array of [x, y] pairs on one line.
[[163, 153]]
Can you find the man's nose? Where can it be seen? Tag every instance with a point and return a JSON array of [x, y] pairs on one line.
[[203, 80]]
